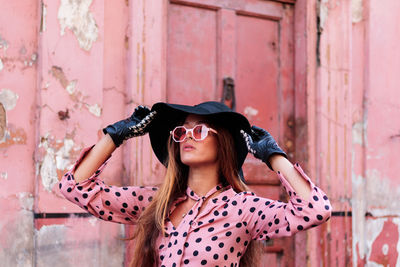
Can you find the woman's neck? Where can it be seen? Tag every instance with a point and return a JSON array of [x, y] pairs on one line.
[[202, 179]]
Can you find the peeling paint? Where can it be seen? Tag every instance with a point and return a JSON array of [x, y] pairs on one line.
[[54, 161], [26, 200], [76, 16], [94, 109], [48, 170], [388, 241], [63, 155], [8, 98], [397, 221], [382, 195], [357, 10], [12, 136], [56, 243], [16, 248], [3, 44], [250, 112], [50, 241], [76, 96], [59, 74], [323, 13], [43, 18], [3, 123], [358, 222], [4, 175], [71, 87], [93, 221], [31, 61], [373, 229], [357, 133], [46, 85], [385, 249]]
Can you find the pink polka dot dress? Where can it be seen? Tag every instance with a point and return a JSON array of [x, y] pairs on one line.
[[219, 234]]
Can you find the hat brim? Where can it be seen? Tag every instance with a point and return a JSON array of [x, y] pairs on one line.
[[170, 115]]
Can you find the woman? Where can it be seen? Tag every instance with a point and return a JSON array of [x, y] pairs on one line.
[[203, 213]]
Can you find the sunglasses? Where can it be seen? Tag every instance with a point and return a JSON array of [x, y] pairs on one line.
[[199, 132]]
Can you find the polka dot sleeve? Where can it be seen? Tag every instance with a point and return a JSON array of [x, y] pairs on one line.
[[268, 218], [110, 203]]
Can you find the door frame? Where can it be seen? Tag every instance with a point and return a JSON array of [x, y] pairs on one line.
[[146, 80]]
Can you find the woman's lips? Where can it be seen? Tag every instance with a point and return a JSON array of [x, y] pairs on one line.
[[188, 147]]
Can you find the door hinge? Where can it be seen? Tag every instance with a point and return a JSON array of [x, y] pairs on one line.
[[228, 94]]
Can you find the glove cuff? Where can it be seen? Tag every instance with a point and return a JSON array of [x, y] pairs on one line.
[[266, 161], [115, 137]]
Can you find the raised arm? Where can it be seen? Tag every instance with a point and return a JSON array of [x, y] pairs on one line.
[[95, 158], [82, 186], [264, 147], [266, 218], [300, 185], [115, 134], [308, 205]]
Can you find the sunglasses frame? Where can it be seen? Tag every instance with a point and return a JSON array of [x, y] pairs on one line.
[[191, 131]]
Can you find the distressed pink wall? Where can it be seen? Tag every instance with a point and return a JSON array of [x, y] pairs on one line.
[[53, 59], [376, 131], [18, 83], [333, 115], [357, 130]]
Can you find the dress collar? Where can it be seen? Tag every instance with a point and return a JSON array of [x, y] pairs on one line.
[[194, 196], [224, 196]]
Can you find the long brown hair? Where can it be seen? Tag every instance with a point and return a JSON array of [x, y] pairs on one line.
[[152, 221]]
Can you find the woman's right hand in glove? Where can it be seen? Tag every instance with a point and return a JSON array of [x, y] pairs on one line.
[[136, 125]]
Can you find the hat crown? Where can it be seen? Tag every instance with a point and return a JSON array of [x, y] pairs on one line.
[[213, 107]]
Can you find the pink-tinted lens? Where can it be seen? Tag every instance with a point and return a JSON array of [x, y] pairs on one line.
[[199, 132], [179, 133]]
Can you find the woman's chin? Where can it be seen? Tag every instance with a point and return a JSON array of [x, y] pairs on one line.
[[190, 162], [196, 162]]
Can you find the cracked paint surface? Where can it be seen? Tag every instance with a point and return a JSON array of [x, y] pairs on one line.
[[55, 161], [357, 10], [16, 248], [43, 18], [56, 243], [383, 249], [3, 44], [382, 194], [25, 200], [75, 95], [9, 134], [8, 98], [94, 109], [376, 187], [323, 12], [76, 16]]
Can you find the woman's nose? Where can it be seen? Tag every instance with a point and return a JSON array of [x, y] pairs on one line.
[[187, 135]]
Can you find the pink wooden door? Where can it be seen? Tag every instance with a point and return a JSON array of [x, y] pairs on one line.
[[250, 41]]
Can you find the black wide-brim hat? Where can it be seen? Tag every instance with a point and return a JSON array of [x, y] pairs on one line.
[[171, 115]]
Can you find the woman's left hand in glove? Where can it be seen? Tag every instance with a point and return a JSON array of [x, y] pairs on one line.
[[261, 144]]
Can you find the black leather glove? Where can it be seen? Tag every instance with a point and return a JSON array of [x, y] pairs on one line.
[[262, 145], [135, 125]]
